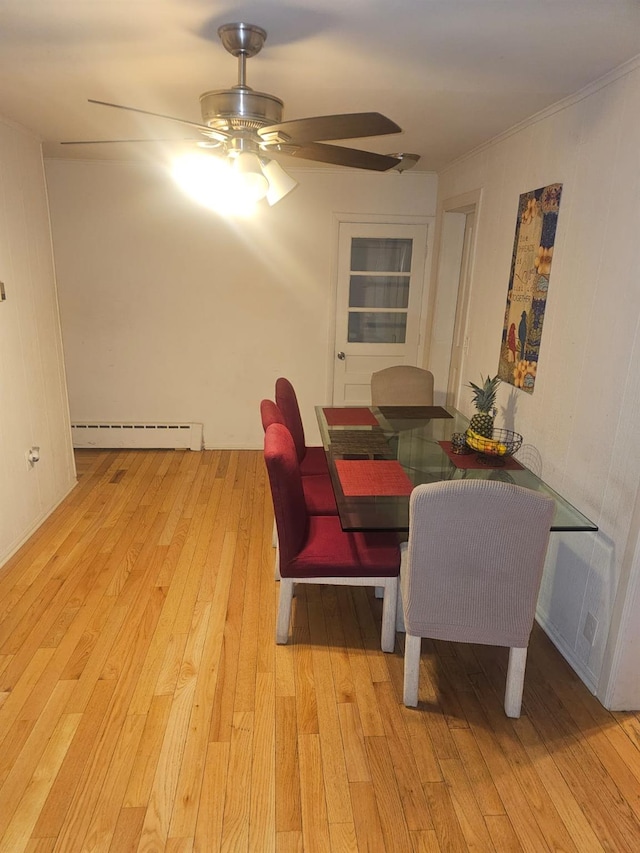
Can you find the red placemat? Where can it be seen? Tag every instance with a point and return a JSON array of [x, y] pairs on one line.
[[372, 477], [350, 416], [470, 460]]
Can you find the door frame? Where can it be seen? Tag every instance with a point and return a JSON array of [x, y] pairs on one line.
[[450, 304], [371, 219]]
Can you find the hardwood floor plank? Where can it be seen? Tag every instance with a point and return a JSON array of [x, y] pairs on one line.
[[52, 818], [355, 751], [387, 795], [445, 820], [262, 806], [237, 803], [331, 745], [425, 841], [127, 831], [514, 798], [366, 818], [17, 835], [502, 835], [104, 815], [300, 648], [478, 773], [466, 807], [315, 825], [414, 803], [208, 833], [289, 842], [560, 792], [146, 756], [148, 708], [552, 828], [28, 760], [609, 815], [287, 767], [155, 830], [342, 837]]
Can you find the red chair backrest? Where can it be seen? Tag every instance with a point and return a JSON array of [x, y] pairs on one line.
[[286, 491], [270, 414], [287, 402]]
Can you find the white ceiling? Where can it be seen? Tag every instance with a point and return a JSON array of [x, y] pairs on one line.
[[451, 73]]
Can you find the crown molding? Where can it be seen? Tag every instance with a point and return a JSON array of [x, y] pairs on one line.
[[617, 73]]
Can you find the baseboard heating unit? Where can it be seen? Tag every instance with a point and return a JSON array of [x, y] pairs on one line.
[[138, 436]]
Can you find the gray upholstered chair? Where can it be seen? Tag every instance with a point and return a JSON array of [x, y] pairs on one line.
[[402, 385], [471, 572]]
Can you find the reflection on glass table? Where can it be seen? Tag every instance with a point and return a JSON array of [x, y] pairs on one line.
[[412, 445]]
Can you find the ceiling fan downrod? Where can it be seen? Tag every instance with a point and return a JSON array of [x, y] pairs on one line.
[[243, 41]]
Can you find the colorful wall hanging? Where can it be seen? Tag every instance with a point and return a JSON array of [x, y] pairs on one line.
[[528, 285]]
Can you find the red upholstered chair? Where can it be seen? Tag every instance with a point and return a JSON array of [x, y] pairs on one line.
[[312, 460], [317, 488], [315, 549]]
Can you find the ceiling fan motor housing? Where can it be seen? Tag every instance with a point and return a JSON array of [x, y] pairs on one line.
[[240, 109]]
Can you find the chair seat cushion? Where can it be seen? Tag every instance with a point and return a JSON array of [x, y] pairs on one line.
[[314, 462], [318, 495], [330, 552]]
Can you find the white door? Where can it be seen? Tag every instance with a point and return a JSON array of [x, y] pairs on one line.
[[379, 301]]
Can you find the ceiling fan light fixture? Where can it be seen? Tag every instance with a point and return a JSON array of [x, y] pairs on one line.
[[248, 168], [280, 182], [212, 182]]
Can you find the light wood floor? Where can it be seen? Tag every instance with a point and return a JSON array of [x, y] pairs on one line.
[[145, 706]]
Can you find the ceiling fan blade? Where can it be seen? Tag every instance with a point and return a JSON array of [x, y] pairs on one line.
[[345, 126], [112, 141], [215, 134], [339, 156]]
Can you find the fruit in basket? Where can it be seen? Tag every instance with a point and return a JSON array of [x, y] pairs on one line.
[[488, 446], [484, 398]]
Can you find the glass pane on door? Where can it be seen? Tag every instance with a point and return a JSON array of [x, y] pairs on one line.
[[382, 291], [378, 327], [372, 254]]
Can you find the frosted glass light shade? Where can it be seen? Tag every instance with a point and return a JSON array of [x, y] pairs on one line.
[[280, 183], [248, 166]]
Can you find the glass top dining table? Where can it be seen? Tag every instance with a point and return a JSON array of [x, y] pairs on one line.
[[376, 455]]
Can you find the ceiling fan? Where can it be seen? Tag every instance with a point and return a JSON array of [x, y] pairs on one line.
[[246, 126]]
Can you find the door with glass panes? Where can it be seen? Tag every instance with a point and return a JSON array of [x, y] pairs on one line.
[[378, 307]]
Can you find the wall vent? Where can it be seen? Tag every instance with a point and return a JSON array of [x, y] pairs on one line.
[[141, 436]]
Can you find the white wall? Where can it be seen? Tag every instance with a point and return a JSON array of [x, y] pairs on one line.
[[171, 313], [33, 402], [582, 418]]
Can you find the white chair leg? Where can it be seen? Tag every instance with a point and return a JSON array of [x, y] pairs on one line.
[[389, 604], [399, 610], [412, 646], [284, 611], [515, 681]]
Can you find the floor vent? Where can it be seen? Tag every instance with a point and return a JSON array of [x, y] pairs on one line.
[[148, 436]]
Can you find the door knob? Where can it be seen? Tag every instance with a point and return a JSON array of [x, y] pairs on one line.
[[341, 356]]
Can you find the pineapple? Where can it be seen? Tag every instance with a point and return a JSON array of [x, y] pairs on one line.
[[484, 398]]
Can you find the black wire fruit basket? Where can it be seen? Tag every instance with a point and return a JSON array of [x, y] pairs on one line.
[[503, 443]]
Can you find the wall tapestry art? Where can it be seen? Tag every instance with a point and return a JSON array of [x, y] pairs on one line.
[[528, 285]]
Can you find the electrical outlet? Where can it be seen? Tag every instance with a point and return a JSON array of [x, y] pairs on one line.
[[590, 627], [33, 456]]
